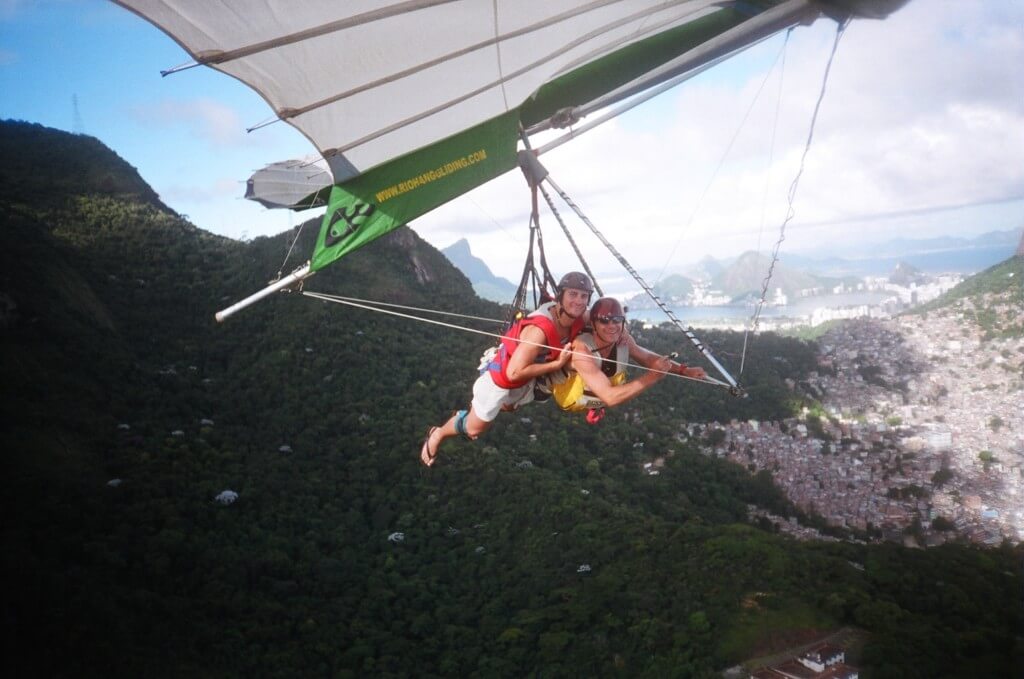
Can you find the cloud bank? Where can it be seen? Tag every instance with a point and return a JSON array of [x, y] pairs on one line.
[[922, 110]]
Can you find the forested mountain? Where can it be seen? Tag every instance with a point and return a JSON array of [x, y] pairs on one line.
[[741, 279], [127, 410], [705, 270], [746, 276], [671, 288], [906, 275]]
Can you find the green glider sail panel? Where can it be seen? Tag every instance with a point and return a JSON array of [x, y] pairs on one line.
[[393, 194]]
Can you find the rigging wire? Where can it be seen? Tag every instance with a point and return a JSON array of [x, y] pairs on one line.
[[721, 161], [791, 196], [491, 218], [409, 308], [540, 282], [572, 241], [734, 387], [338, 300], [280, 271], [535, 174], [529, 275], [545, 270], [767, 179], [312, 201]]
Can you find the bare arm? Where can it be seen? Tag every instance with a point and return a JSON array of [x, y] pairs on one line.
[[521, 367], [597, 382], [640, 355], [648, 359]]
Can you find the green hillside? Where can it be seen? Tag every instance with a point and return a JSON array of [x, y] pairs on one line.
[[127, 410], [993, 297], [1005, 278]]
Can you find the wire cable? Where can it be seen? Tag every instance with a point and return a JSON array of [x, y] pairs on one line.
[[721, 162], [337, 300], [767, 179], [342, 298], [791, 196]]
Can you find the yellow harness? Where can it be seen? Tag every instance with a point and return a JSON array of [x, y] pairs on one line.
[[571, 393]]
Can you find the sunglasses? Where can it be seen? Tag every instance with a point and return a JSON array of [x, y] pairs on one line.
[[605, 320]]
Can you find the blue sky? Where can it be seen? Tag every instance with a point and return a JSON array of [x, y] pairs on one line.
[[185, 133], [921, 134]]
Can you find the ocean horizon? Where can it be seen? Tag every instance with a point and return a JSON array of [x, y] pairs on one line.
[[733, 313]]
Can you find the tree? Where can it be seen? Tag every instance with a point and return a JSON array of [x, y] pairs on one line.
[[715, 437]]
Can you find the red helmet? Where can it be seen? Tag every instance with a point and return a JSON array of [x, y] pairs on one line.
[[606, 307]]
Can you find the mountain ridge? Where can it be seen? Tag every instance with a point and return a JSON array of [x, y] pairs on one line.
[[738, 280]]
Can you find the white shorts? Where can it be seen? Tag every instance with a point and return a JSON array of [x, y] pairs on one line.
[[489, 399]]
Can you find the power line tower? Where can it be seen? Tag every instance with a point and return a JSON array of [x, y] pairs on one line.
[[77, 126]]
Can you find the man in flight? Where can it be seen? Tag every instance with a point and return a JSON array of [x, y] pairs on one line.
[[534, 346], [596, 375]]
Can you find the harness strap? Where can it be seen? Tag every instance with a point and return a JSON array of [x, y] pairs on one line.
[[498, 366], [539, 279]]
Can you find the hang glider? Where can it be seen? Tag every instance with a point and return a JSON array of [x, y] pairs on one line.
[[412, 103]]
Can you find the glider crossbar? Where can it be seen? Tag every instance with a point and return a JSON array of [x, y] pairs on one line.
[[734, 387], [292, 280], [369, 307]]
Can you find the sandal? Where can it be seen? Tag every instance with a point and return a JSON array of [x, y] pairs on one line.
[[425, 455]]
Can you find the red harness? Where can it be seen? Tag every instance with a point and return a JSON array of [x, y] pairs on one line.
[[510, 340]]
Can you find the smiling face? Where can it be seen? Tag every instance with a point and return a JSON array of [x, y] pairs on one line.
[[608, 320], [609, 328], [574, 301]]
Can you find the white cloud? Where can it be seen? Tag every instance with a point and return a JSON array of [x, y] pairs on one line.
[[923, 110], [220, 189], [207, 119]]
